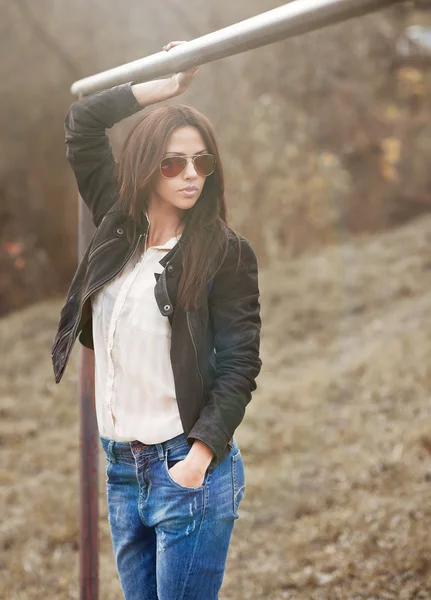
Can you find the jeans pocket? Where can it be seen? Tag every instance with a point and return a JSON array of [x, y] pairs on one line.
[[174, 455], [238, 480]]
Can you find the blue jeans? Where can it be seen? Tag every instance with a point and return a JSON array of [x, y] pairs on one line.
[[170, 541]]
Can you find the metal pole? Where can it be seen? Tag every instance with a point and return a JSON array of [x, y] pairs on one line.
[[286, 21], [89, 509], [280, 23], [89, 451]]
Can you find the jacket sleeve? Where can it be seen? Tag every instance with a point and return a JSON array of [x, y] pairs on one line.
[[235, 315], [88, 148]]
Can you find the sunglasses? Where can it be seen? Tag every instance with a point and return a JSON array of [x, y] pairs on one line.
[[172, 166]]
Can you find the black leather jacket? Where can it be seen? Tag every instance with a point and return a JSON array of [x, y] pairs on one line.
[[214, 348]]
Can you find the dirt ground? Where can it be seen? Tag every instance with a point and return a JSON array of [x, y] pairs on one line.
[[336, 441]]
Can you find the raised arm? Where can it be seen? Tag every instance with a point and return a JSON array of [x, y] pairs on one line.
[[88, 148]]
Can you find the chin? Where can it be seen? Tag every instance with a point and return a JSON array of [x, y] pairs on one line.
[[186, 203]]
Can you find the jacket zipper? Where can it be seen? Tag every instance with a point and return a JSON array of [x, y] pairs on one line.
[[196, 351], [88, 294], [99, 247]]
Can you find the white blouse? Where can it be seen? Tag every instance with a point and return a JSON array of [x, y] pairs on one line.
[[134, 384]]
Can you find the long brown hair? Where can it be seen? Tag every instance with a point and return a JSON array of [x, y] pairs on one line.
[[204, 241]]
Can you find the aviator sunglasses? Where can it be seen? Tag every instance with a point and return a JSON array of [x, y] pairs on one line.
[[172, 166]]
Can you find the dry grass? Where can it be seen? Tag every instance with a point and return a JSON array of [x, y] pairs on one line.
[[336, 441]]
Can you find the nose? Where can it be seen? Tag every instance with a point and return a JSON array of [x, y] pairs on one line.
[[190, 171]]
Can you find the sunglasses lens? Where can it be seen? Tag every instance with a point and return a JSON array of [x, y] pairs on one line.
[[172, 166], [205, 164]]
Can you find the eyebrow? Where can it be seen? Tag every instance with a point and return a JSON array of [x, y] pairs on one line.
[[183, 154]]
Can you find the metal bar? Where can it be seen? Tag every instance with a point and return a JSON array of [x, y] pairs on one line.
[[286, 21]]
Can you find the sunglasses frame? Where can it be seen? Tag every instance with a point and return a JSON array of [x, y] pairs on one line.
[[193, 156]]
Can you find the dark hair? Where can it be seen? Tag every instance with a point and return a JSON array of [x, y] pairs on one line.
[[204, 241]]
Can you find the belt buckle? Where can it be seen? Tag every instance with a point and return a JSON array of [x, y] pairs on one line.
[[138, 446]]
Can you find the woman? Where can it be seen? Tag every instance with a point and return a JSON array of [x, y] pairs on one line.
[[167, 296]]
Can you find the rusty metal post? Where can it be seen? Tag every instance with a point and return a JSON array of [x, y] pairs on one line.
[[89, 451]]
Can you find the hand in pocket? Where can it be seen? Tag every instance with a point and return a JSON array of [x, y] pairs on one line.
[[186, 474]]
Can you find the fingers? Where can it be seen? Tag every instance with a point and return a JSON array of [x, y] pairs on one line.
[[172, 44]]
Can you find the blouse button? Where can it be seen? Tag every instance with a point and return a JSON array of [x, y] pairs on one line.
[[167, 307]]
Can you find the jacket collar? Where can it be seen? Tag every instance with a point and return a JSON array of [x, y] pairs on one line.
[[174, 253], [173, 244]]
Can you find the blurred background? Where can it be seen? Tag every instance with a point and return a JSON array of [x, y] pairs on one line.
[[327, 147]]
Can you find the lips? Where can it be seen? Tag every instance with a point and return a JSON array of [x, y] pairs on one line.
[[190, 188]]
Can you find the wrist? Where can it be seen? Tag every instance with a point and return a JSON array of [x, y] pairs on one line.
[[177, 87], [151, 92], [200, 455], [174, 86]]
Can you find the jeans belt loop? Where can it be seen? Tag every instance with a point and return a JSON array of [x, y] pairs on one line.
[[160, 451], [111, 452]]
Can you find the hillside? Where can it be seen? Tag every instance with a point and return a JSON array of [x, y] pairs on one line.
[[336, 441]]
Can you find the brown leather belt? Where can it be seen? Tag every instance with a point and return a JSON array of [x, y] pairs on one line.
[[138, 446]]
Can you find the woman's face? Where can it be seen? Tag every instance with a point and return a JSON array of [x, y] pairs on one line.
[[183, 141]]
